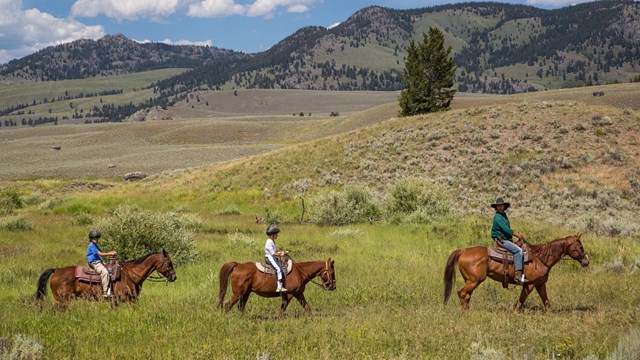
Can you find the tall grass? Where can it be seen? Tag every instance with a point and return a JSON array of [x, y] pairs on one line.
[[388, 303]]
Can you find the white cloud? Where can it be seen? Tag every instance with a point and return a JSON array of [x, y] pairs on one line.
[[263, 8], [125, 9], [266, 8], [215, 8], [23, 32]]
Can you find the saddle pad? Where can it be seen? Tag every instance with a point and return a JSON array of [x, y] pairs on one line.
[[267, 269], [85, 273], [496, 253]]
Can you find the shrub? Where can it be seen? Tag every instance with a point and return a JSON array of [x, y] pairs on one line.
[[230, 210], [272, 217], [351, 205], [416, 202], [32, 199], [330, 208], [83, 219], [9, 200], [134, 232], [191, 221], [15, 223], [23, 347], [628, 347]]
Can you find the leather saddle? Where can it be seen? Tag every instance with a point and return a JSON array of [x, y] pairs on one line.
[[501, 254], [85, 273], [266, 268]]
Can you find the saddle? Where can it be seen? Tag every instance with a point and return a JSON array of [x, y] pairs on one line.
[[501, 254], [266, 268], [85, 273]]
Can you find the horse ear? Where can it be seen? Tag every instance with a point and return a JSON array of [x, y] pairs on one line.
[[164, 252], [578, 235]]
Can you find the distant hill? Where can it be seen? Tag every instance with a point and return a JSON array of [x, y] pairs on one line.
[[498, 49], [110, 55]]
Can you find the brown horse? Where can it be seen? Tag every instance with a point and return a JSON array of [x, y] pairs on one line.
[[64, 285], [245, 279], [475, 266]]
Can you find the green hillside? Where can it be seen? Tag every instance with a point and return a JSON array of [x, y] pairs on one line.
[[567, 161]]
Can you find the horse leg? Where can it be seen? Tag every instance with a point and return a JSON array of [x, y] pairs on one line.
[[285, 302], [526, 289], [243, 301], [304, 303], [542, 291], [465, 293], [232, 301]]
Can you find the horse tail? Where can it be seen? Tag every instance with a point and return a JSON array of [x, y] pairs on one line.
[[42, 283], [225, 273], [450, 273]]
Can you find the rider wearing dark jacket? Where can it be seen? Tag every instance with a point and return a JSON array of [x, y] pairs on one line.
[[501, 231]]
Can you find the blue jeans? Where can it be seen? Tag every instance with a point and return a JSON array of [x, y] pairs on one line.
[[276, 265], [516, 250]]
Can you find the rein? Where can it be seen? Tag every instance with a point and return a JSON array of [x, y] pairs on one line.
[[326, 268], [144, 278]]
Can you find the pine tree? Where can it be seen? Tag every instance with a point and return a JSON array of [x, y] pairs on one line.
[[428, 76]]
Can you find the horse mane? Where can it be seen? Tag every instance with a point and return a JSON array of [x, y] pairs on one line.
[[549, 248], [141, 259]]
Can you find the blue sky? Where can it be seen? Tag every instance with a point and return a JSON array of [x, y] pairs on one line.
[[27, 26]]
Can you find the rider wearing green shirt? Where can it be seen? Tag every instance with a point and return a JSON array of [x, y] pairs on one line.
[[501, 231]]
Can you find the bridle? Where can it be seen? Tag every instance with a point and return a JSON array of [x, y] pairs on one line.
[[161, 278], [325, 284], [573, 246]]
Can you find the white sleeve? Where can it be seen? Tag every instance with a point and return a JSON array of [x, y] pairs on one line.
[[270, 248]]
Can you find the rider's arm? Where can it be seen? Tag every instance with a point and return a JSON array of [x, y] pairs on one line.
[[110, 253]]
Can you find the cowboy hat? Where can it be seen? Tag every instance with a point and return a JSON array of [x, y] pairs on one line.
[[500, 201]]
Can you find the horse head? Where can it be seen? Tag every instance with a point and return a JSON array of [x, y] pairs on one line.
[[576, 251], [328, 275], [166, 267]]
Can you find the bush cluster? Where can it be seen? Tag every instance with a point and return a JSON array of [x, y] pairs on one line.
[[135, 232], [21, 347], [15, 223], [408, 201], [9, 200], [350, 205], [417, 202]]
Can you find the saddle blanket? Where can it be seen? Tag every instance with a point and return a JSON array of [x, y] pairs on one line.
[[268, 269], [87, 274], [499, 254]]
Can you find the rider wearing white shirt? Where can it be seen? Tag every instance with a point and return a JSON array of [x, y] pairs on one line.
[[270, 252]]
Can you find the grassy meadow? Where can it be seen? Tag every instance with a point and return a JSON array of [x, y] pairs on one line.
[[388, 303], [572, 164]]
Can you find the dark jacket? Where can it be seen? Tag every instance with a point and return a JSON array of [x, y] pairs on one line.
[[501, 228]]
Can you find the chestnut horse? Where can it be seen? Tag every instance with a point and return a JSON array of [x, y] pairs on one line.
[[64, 285], [245, 279], [475, 266]]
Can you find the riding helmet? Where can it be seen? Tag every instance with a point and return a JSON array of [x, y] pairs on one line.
[[94, 234], [272, 229]]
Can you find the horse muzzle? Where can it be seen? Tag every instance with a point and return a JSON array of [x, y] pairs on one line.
[[585, 261], [172, 278], [330, 287]]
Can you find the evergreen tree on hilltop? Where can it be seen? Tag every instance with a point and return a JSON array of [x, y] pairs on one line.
[[428, 76]]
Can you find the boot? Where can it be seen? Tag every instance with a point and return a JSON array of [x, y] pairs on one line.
[[519, 278], [280, 288]]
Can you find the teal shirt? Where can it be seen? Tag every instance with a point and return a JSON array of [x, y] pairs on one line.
[[501, 227]]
